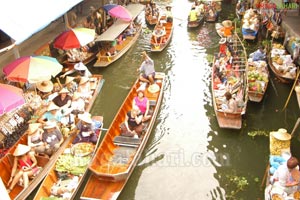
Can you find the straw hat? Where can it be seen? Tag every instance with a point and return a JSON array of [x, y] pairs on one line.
[[33, 128], [69, 79], [227, 23], [45, 86], [80, 66], [86, 117], [153, 88], [222, 41], [282, 134], [49, 124], [52, 106], [83, 80], [64, 90], [21, 150]]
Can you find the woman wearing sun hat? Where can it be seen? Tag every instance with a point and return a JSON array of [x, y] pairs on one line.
[[63, 99], [45, 88], [52, 137], [85, 128], [35, 133], [24, 167], [52, 114], [84, 88], [70, 84]]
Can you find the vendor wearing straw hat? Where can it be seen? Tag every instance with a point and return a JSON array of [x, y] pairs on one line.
[[227, 28], [24, 167], [45, 88], [35, 133], [80, 69], [84, 88], [70, 84], [85, 129], [51, 114], [63, 99], [52, 137]]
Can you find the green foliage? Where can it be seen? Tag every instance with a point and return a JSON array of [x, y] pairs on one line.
[[258, 133], [239, 182]]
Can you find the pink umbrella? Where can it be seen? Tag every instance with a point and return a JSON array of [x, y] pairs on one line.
[[120, 12], [11, 98]]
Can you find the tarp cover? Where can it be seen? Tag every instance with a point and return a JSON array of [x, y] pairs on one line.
[[21, 19], [119, 26]]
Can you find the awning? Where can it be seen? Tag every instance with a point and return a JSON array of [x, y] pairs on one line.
[[22, 19], [119, 26]]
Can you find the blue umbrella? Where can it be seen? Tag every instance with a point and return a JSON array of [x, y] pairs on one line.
[[108, 7]]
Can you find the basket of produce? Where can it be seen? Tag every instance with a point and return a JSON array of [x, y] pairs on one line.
[[280, 141], [82, 149]]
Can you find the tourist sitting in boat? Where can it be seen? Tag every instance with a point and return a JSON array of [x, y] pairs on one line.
[[84, 88], [142, 103], [286, 177], [52, 137], [80, 69], [44, 89], [131, 30], [132, 126], [24, 167], [70, 84], [193, 15], [147, 69], [231, 104], [85, 129], [52, 114], [35, 133], [63, 100], [259, 54], [159, 34]]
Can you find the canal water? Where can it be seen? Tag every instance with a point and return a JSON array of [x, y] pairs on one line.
[[188, 156]]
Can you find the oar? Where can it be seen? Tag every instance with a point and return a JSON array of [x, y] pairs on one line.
[[295, 127], [295, 82], [265, 176], [102, 129]]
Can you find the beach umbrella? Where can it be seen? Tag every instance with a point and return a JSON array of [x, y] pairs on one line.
[[74, 38], [108, 7], [120, 12], [11, 98], [32, 69]]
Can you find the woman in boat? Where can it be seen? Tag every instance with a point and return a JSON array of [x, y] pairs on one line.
[[258, 54], [231, 104], [85, 128], [84, 88], [78, 104], [24, 167], [70, 84], [79, 69], [193, 14], [63, 100], [132, 126], [44, 89], [35, 138], [169, 14], [147, 69], [52, 114], [142, 103], [52, 137], [159, 34]]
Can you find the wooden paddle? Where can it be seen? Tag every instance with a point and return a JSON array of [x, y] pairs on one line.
[[295, 82]]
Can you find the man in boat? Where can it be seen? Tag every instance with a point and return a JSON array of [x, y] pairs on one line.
[[158, 34], [193, 14], [147, 69], [231, 104], [169, 14], [258, 54]]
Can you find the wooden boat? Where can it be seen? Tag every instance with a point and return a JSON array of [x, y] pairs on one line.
[[151, 14], [168, 27], [258, 78], [151, 21], [235, 81], [113, 33], [197, 23], [117, 155], [20, 193], [218, 27], [75, 173], [281, 65], [213, 9], [250, 25]]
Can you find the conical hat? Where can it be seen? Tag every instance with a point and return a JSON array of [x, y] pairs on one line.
[[69, 79], [86, 117], [83, 80], [45, 86], [80, 66], [153, 88], [50, 124], [21, 150], [227, 23], [33, 127], [222, 41], [282, 134]]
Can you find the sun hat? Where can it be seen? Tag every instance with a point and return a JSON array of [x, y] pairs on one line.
[[83, 80], [45, 86], [63, 90], [69, 79], [21, 150], [33, 127], [49, 124], [153, 88], [282, 134], [222, 41], [86, 117], [227, 23], [80, 66], [52, 106]]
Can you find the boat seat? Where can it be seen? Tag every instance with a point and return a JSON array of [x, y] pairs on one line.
[[127, 141]]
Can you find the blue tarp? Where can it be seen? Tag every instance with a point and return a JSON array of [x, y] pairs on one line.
[[247, 31], [21, 19]]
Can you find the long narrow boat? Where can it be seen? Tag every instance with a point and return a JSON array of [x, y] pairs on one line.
[[117, 155], [20, 193], [250, 24], [168, 27], [258, 78], [233, 80], [196, 23], [73, 164], [281, 64], [112, 34]]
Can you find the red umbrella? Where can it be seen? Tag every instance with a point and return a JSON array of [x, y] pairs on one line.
[[120, 12], [11, 98], [74, 38]]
